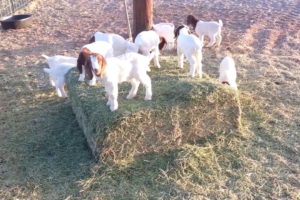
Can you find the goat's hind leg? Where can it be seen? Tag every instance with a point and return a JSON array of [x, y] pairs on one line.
[[134, 88], [180, 58], [193, 66], [156, 58], [146, 81], [212, 40], [219, 38]]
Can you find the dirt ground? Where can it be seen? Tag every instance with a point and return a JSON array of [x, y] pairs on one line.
[[262, 35]]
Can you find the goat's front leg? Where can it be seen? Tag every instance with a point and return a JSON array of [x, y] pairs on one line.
[[146, 81], [63, 92], [134, 88], [94, 80], [180, 57], [113, 97], [82, 75], [52, 82], [219, 38], [192, 61], [212, 40], [156, 58], [58, 91]]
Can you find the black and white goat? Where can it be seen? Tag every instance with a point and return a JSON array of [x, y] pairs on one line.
[[211, 29], [149, 41]]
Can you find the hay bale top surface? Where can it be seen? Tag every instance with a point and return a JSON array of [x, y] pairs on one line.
[[183, 110]]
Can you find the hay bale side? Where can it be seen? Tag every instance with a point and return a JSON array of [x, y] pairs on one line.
[[183, 110]]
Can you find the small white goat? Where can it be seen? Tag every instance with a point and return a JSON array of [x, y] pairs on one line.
[[129, 67], [119, 44], [148, 41], [166, 31], [227, 72], [190, 46], [58, 68], [211, 29], [99, 47]]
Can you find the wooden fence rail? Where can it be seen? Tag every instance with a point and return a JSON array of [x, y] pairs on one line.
[[8, 7]]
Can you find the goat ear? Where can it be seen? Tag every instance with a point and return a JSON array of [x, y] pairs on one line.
[[162, 43], [92, 39], [86, 52], [102, 63]]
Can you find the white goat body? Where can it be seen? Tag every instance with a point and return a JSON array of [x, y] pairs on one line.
[[119, 44], [130, 67], [166, 31], [227, 72], [190, 46], [211, 29], [146, 42]]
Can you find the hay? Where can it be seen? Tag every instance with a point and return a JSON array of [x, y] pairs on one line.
[[183, 111]]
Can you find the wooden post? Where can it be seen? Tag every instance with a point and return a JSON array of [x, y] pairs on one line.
[[142, 15]]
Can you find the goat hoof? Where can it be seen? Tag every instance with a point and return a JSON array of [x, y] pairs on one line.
[[148, 98], [129, 97], [112, 109], [81, 78], [92, 83]]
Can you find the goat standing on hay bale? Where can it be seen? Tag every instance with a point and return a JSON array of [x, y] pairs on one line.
[[227, 72], [148, 41], [190, 46], [211, 29], [129, 67], [100, 50]]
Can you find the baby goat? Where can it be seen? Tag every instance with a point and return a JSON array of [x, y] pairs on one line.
[[129, 67], [227, 72], [190, 46], [166, 31], [118, 43], [211, 29], [91, 51], [58, 68], [148, 41]]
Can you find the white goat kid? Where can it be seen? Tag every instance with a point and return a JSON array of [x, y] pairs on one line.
[[148, 41], [211, 29], [59, 66], [227, 72], [119, 44], [53, 61], [130, 67], [166, 31], [190, 46], [84, 59]]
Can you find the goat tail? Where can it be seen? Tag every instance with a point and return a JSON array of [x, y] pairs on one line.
[[221, 23], [44, 56]]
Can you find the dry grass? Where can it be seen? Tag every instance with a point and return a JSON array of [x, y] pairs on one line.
[[183, 110]]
